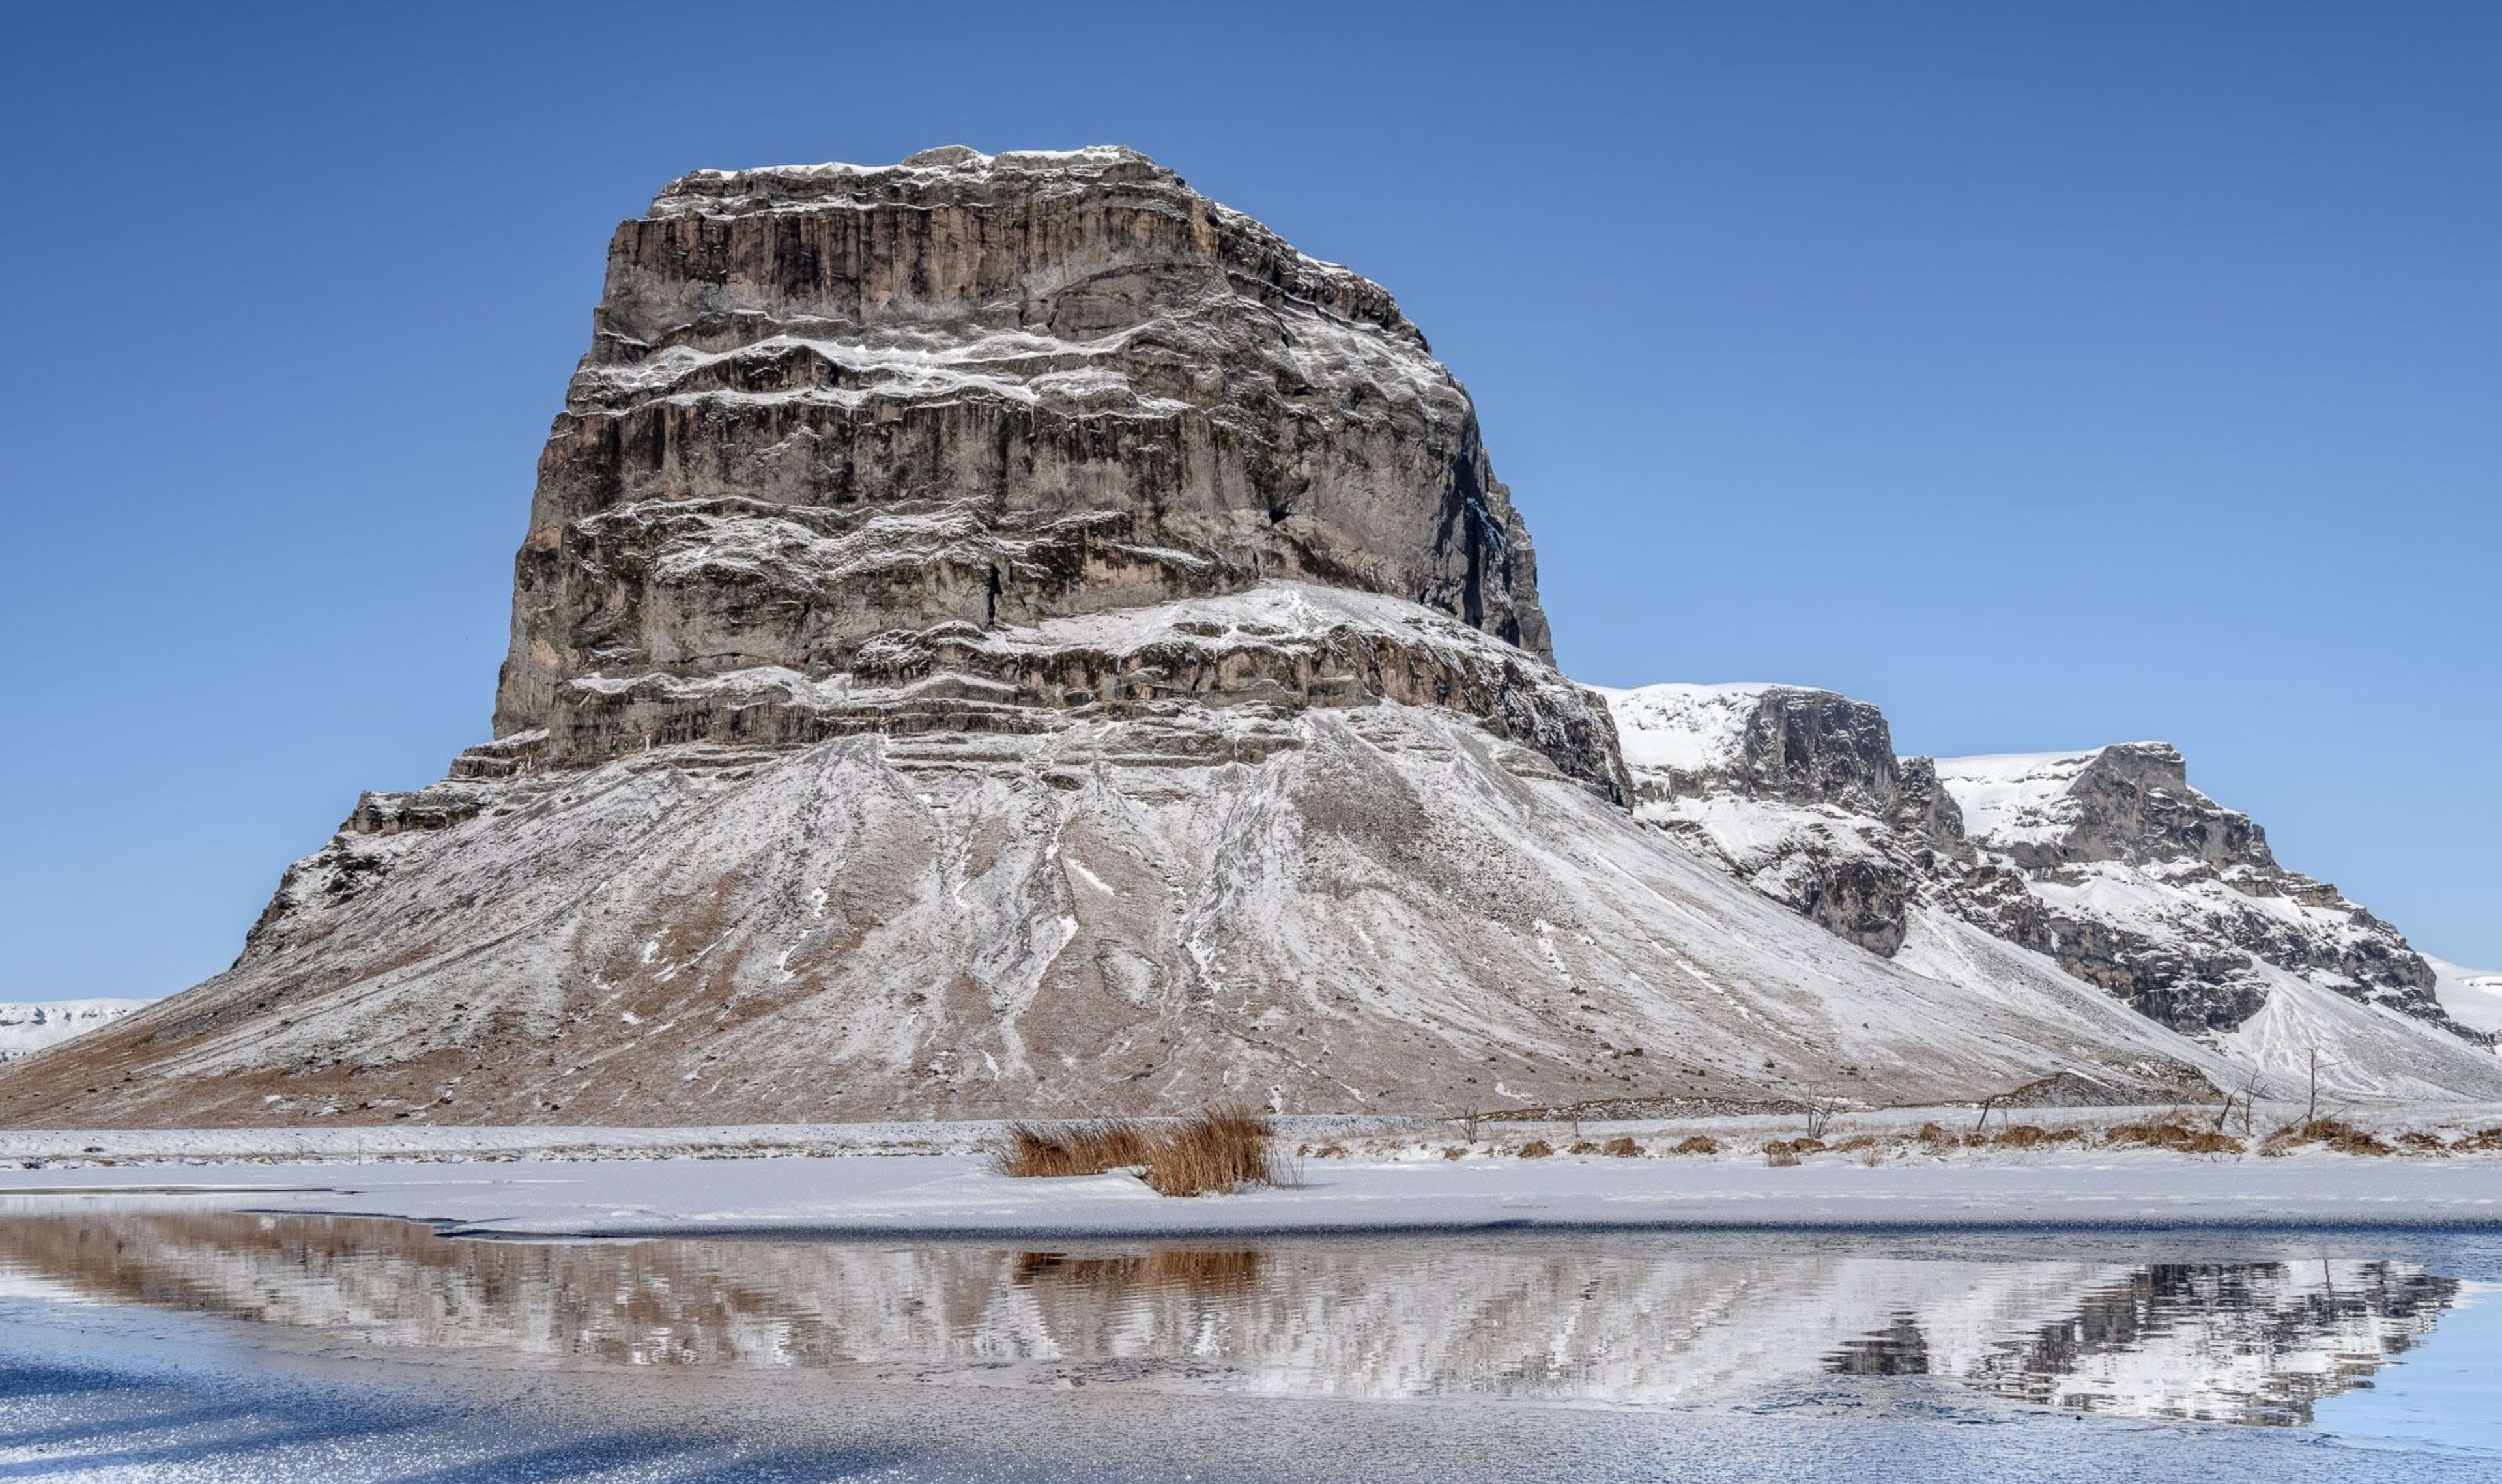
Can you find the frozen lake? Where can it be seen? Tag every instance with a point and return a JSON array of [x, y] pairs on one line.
[[175, 1341]]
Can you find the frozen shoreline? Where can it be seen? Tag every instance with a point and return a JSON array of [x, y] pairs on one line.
[[929, 1181]]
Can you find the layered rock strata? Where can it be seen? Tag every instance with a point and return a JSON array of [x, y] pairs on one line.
[[840, 421]]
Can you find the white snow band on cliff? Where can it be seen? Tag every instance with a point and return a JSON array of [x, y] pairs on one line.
[[1004, 634]]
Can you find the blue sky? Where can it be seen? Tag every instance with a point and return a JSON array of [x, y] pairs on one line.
[[2050, 375]]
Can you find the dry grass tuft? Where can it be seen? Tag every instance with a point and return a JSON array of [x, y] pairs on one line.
[[1087, 1148], [1623, 1148], [1536, 1149], [1223, 1149], [1698, 1143], [2178, 1137], [2335, 1133]]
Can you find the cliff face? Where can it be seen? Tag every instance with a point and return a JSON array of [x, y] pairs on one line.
[[835, 419]]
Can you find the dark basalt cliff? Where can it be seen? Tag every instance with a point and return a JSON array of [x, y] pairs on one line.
[[829, 410]]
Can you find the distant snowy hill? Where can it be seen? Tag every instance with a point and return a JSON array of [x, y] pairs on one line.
[[2101, 867], [26, 1028], [2470, 996]]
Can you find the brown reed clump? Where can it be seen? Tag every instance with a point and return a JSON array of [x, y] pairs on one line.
[[2178, 1137], [1222, 1149], [1087, 1147], [1623, 1148], [2335, 1133], [1698, 1143]]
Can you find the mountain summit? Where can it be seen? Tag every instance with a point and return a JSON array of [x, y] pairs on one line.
[[1003, 634]]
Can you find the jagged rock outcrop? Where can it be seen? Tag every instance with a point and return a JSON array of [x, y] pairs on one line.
[[2107, 864], [1858, 831]]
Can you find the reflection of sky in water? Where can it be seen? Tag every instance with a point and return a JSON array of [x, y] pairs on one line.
[[2448, 1393], [2365, 1347]]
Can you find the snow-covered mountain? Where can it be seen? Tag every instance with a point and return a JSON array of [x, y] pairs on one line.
[[1006, 634], [26, 1028], [2103, 868]]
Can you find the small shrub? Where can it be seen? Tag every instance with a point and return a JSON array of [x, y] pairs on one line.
[[1536, 1149], [2176, 1136], [1698, 1143], [1623, 1148], [2343, 1137]]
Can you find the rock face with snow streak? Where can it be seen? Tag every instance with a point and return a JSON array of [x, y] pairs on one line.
[[2105, 864], [844, 421], [1854, 831]]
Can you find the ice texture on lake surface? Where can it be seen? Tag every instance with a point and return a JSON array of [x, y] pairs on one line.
[[2207, 1329]]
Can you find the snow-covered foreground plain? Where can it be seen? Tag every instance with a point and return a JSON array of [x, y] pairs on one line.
[[901, 1179]]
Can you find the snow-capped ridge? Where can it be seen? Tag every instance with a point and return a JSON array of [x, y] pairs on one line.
[[2104, 865], [33, 1026]]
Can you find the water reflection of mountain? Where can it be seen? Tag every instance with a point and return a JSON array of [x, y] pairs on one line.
[[2254, 1342], [1620, 1323]]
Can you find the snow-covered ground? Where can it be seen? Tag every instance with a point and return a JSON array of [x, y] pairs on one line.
[[930, 1179]]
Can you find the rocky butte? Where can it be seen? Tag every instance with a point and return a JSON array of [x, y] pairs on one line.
[[1006, 634]]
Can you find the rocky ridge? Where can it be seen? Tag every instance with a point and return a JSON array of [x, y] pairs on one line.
[[2105, 864]]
